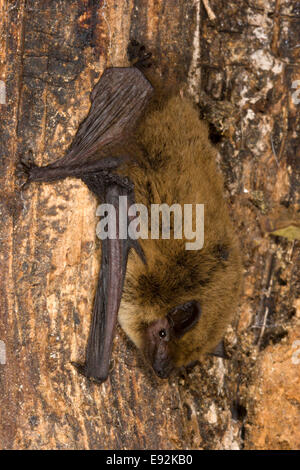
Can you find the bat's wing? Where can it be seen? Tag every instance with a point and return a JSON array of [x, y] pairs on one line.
[[106, 306], [118, 100], [110, 284]]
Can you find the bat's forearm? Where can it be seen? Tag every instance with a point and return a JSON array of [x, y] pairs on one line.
[[53, 173], [45, 173]]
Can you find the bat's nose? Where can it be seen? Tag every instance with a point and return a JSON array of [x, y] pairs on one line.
[[163, 370]]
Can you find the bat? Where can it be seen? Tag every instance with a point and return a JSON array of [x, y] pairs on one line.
[[173, 303]]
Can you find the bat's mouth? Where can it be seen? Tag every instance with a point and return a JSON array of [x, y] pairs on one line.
[[163, 374]]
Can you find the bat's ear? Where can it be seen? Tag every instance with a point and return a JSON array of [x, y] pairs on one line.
[[184, 317], [219, 351]]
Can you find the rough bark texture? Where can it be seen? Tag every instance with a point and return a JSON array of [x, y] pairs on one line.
[[241, 69]]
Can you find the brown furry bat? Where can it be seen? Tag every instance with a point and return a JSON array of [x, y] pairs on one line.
[[176, 303]]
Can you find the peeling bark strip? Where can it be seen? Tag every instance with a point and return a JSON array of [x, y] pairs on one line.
[[2, 92], [2, 353], [51, 55]]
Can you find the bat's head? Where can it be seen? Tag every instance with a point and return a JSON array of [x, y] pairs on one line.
[[177, 307], [161, 336]]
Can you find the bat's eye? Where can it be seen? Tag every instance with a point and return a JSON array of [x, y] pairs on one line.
[[162, 333]]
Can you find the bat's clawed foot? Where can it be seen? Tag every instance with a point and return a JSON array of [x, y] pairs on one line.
[[24, 169], [138, 55]]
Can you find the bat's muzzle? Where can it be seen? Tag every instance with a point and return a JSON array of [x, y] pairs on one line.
[[163, 372]]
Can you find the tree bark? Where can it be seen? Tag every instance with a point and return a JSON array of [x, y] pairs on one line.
[[241, 69]]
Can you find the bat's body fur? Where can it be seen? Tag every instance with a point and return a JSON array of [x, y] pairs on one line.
[[176, 305], [180, 167]]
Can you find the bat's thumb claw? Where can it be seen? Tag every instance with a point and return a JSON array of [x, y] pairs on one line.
[[82, 370], [139, 250]]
